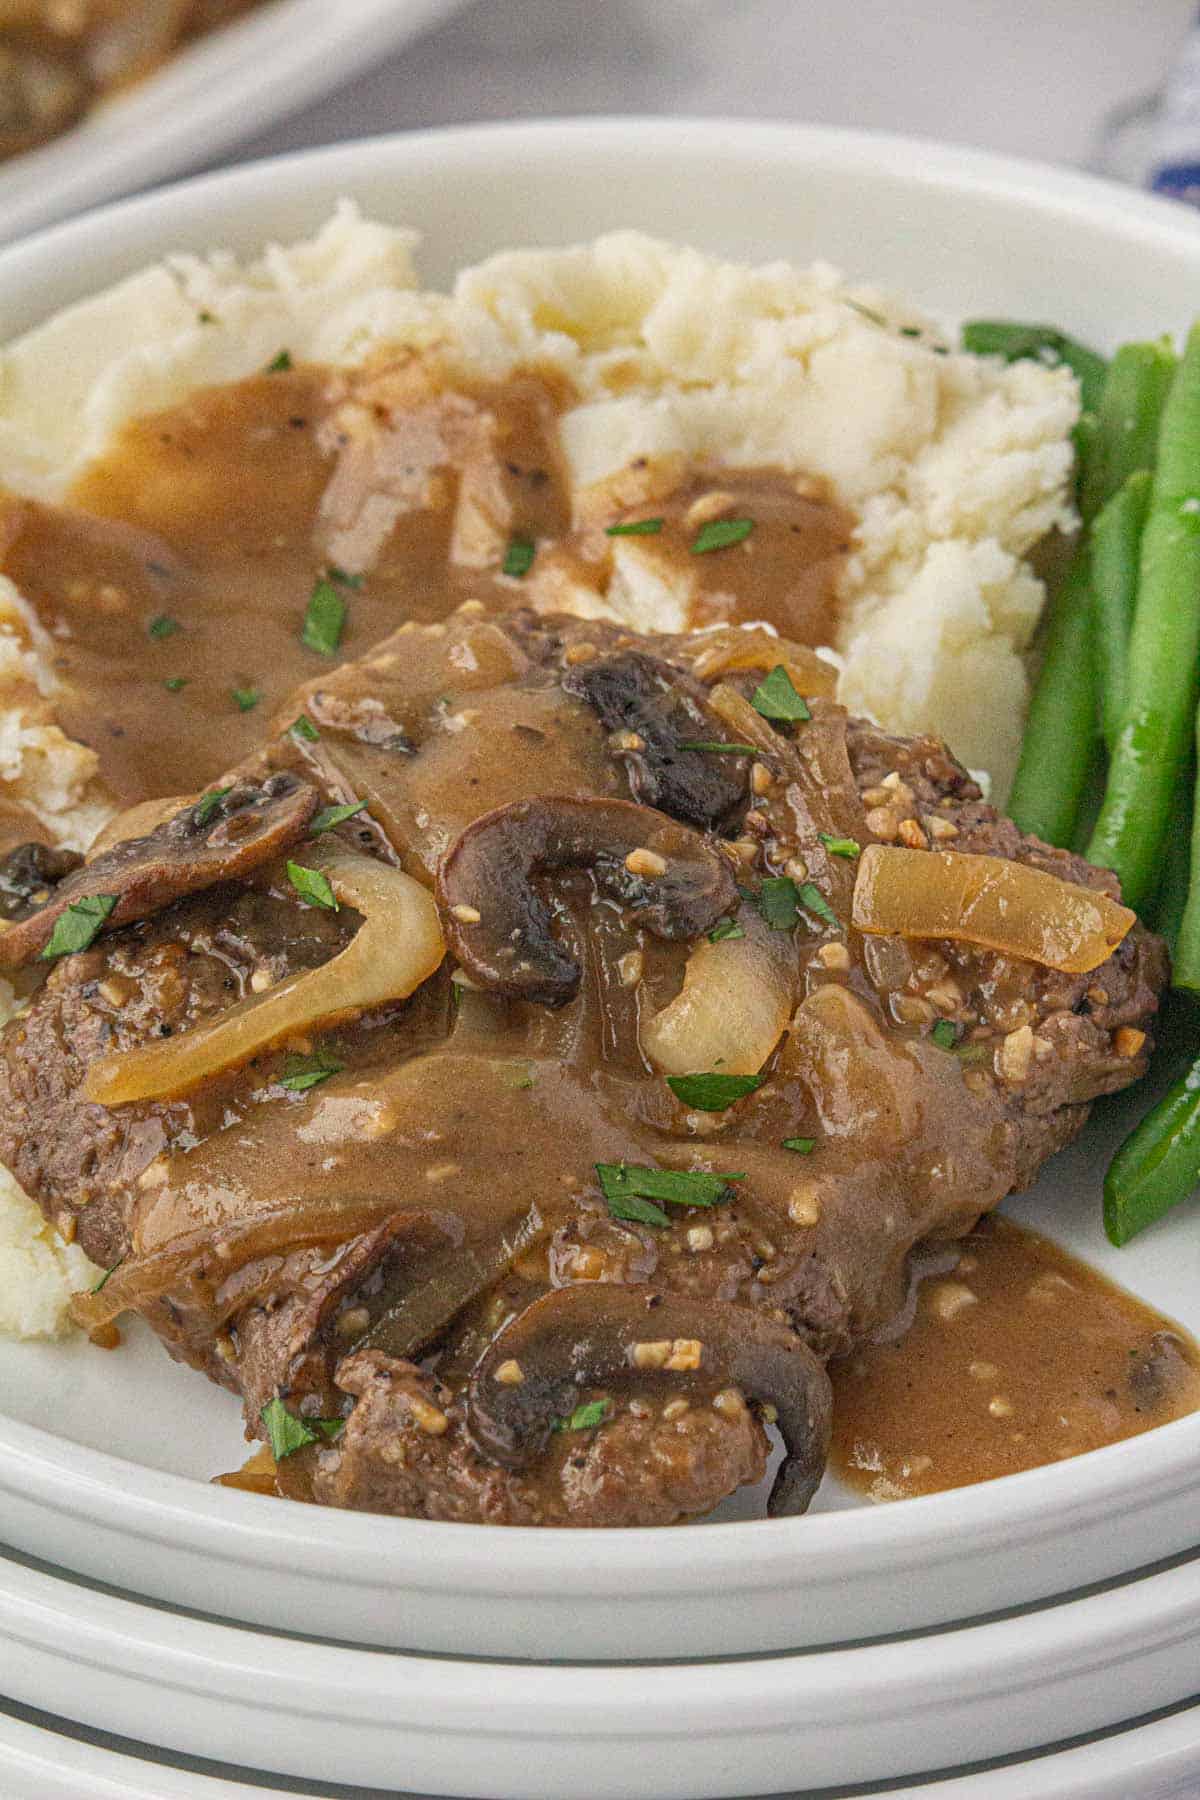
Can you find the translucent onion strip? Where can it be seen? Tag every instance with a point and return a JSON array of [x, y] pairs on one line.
[[730, 1013], [990, 901], [398, 946]]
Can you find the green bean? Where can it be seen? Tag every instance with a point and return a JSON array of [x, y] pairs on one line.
[[1158, 1165], [1038, 343], [1171, 900], [1164, 644], [1116, 548], [1130, 411], [1056, 750], [1185, 950]]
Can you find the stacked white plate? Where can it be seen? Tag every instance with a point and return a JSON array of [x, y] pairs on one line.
[[858, 1644]]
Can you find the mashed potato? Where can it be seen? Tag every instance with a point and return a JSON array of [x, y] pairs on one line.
[[954, 467]]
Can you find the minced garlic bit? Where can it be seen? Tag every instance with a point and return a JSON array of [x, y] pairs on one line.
[[1015, 1054], [949, 1298], [466, 915], [804, 1207], [430, 1418], [647, 863], [630, 968], [510, 1373], [685, 1354]]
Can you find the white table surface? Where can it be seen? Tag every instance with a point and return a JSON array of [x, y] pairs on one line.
[[1031, 77]]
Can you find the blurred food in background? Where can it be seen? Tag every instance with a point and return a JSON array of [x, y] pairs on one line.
[[60, 58]]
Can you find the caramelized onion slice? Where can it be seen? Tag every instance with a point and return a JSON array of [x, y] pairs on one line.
[[398, 946], [987, 900], [731, 1011], [134, 1283], [734, 647]]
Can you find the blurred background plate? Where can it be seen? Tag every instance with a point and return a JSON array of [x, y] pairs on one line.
[[213, 94]]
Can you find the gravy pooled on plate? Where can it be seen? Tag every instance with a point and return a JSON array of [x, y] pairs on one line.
[[1021, 1356]]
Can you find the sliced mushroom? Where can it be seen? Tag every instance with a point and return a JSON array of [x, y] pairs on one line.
[[651, 711], [213, 839], [675, 883], [28, 876], [587, 1336]]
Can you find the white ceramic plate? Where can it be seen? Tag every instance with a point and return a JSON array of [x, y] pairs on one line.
[[101, 1457], [689, 1731], [1155, 1761], [214, 93]]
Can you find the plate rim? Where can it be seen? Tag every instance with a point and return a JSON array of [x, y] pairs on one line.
[[221, 1688], [246, 1528]]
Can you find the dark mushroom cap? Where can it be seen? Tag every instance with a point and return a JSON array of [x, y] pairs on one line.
[[29, 874], [652, 709], [583, 1336], [500, 929], [209, 841]]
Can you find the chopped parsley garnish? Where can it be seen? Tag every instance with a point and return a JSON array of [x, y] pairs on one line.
[[79, 925], [312, 885], [837, 846], [108, 1275], [176, 684], [720, 534], [630, 1190], [585, 1417], [206, 318], [245, 698], [779, 902], [287, 1434], [279, 365], [164, 626], [344, 580], [208, 804], [944, 1034], [867, 312], [802, 1146], [518, 558], [712, 1093], [329, 816], [716, 749], [635, 528], [724, 929], [776, 698], [303, 1072], [303, 727], [324, 618], [814, 901]]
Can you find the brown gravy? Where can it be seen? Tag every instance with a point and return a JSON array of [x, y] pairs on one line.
[[175, 584], [175, 588], [1022, 1356]]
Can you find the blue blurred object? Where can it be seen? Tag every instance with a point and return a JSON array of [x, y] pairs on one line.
[[1175, 138], [1154, 142]]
